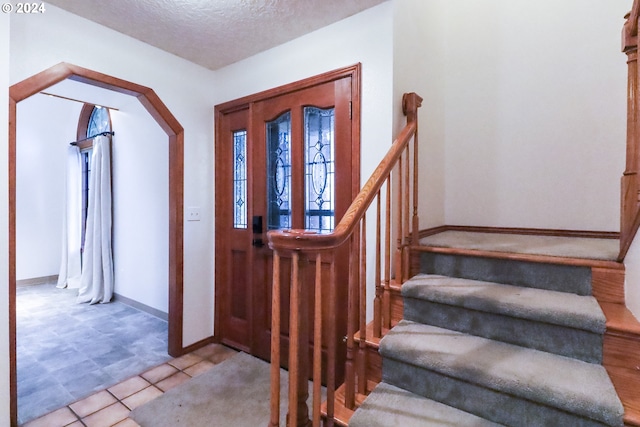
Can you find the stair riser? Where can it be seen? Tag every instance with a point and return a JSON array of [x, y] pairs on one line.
[[555, 339], [486, 403], [563, 278]]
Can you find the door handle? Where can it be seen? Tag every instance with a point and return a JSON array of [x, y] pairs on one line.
[[258, 243]]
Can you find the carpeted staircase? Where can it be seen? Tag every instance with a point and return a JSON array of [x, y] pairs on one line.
[[489, 341]]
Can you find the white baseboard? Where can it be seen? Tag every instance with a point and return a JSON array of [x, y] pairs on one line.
[[37, 281]]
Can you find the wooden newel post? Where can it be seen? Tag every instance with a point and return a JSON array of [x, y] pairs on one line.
[[298, 414], [629, 184]]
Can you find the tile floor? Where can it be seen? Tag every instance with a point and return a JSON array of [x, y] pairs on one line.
[[111, 407], [67, 351]]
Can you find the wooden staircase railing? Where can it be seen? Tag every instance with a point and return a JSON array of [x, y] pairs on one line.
[[393, 184], [630, 198]]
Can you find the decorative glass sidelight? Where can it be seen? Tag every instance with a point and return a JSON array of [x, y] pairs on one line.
[[319, 169], [279, 172], [240, 179]]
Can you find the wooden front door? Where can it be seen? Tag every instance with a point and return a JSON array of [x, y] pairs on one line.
[[284, 161]]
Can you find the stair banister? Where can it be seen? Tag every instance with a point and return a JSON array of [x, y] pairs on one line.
[[297, 240], [630, 208], [304, 247]]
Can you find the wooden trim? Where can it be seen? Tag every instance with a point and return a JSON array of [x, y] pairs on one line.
[[352, 71], [195, 346], [607, 285], [83, 121], [13, 370], [174, 130], [525, 231], [621, 357]]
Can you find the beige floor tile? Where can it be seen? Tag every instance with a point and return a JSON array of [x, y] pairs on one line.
[[61, 417], [76, 424], [129, 387], [185, 361], [142, 397], [127, 423], [159, 373], [199, 368], [215, 353], [173, 381], [93, 403], [108, 416]]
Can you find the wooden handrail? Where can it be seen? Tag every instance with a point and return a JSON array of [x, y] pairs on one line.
[[295, 240], [303, 246]]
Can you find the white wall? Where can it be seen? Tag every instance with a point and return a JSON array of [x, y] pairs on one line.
[[4, 221], [41, 41], [535, 113], [44, 128], [141, 207], [365, 37], [419, 66]]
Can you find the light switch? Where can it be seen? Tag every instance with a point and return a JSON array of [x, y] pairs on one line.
[[193, 214]]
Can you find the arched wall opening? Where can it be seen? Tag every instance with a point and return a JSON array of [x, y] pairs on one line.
[[165, 119]]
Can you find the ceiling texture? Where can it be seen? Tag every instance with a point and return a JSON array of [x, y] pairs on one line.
[[215, 33]]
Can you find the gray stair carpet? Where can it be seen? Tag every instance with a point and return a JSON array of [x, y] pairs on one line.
[[555, 277], [389, 406], [558, 246], [508, 384], [558, 322]]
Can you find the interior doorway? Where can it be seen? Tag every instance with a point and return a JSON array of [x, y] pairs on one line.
[[174, 131], [286, 158]]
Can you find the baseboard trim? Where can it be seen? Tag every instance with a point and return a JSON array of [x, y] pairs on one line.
[[200, 344], [142, 307], [518, 230], [37, 281]]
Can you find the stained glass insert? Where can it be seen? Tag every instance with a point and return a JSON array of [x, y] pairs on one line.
[[240, 179], [99, 121], [279, 172], [319, 169]]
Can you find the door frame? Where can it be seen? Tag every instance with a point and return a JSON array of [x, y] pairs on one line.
[[353, 72], [165, 119]]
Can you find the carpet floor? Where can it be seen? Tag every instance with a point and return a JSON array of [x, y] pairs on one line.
[[572, 247], [234, 393]]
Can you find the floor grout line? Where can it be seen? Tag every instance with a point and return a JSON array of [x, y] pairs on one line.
[[218, 353]]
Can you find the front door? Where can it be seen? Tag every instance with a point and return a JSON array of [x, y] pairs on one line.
[[282, 162]]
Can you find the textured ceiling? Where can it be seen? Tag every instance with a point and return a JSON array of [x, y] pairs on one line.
[[215, 33]]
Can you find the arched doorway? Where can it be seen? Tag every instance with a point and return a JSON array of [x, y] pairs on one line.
[[165, 119]]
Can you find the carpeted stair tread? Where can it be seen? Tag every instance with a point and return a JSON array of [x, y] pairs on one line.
[[558, 308], [388, 405], [555, 381]]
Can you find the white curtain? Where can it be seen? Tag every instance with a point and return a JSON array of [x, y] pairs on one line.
[[96, 284], [70, 265]]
